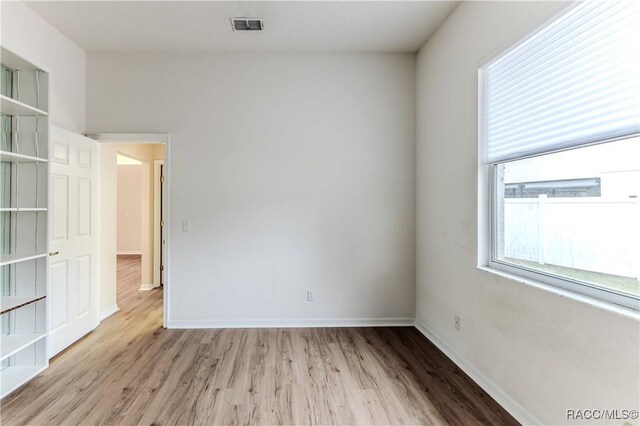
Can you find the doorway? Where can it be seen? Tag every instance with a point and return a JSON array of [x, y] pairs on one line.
[[148, 152]]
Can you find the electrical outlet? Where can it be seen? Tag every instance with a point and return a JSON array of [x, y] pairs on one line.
[[456, 322], [311, 297], [186, 226]]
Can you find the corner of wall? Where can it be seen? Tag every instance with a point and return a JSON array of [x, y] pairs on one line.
[[520, 413]]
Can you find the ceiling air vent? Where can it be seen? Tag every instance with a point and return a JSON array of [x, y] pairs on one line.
[[247, 24]]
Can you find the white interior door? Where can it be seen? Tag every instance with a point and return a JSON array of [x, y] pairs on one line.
[[73, 271]]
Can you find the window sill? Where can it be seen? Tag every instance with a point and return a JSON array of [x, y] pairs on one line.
[[596, 303]]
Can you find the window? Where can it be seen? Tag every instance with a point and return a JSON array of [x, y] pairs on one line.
[[560, 134]]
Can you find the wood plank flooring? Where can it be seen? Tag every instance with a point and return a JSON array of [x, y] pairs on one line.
[[132, 371]]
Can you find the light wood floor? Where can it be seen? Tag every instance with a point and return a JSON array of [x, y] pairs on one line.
[[130, 370]]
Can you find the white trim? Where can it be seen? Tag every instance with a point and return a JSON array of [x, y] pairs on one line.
[[594, 301], [146, 287], [130, 137], [108, 312], [513, 407], [166, 210], [528, 276], [294, 323], [129, 253], [483, 196]]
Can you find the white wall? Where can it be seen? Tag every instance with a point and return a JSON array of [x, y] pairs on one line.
[[547, 352], [129, 209], [295, 171], [28, 35]]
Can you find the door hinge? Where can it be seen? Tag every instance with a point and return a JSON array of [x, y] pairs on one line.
[[162, 223], [161, 178], [162, 267]]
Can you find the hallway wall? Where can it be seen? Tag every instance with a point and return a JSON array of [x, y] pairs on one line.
[[129, 205]]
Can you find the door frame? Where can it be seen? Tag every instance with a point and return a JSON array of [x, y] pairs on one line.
[[147, 138], [158, 278]]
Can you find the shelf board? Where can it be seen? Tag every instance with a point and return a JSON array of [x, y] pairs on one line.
[[15, 62], [14, 377], [13, 157], [23, 209], [11, 303], [11, 106], [8, 259], [14, 343]]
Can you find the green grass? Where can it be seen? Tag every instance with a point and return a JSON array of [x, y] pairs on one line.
[[614, 282]]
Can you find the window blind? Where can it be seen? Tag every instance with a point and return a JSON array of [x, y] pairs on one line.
[[575, 82]]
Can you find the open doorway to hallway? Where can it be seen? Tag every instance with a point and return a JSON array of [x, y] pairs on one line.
[[139, 211], [138, 214], [134, 201]]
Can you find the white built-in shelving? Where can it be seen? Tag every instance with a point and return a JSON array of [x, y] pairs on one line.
[[8, 259], [10, 303], [14, 343], [14, 377], [24, 177], [14, 107], [12, 157], [23, 209]]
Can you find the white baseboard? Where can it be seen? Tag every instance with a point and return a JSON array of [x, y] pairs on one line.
[[129, 253], [293, 323], [513, 407], [108, 312], [146, 287]]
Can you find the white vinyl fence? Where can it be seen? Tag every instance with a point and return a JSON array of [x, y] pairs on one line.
[[591, 234]]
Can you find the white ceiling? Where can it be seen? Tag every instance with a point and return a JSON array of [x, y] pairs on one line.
[[203, 26]]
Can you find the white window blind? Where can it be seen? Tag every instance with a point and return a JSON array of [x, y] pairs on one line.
[[575, 82]]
